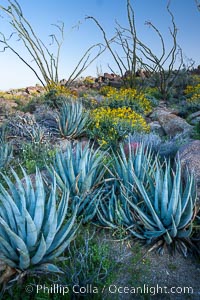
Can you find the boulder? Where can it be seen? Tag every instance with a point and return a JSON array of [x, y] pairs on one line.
[[194, 118], [33, 90], [116, 84], [171, 123], [189, 155], [156, 128]]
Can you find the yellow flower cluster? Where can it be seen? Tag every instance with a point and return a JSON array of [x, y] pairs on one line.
[[118, 114], [193, 93], [112, 124], [107, 89], [62, 90], [88, 80], [126, 97]]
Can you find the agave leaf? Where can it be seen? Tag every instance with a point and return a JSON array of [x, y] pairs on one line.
[[22, 202], [19, 220], [40, 196], [47, 267], [168, 238], [172, 204], [24, 259], [145, 219], [178, 212], [154, 234], [62, 208], [175, 193], [173, 232], [164, 202], [138, 160], [63, 232], [105, 222], [61, 168], [111, 205], [185, 233], [187, 193], [126, 218], [148, 203], [7, 261], [187, 215], [136, 234], [104, 209], [7, 250], [18, 244], [31, 231], [62, 246], [50, 226], [40, 253], [17, 241], [30, 195], [7, 213]]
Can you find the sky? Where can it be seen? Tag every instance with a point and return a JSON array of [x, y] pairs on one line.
[[80, 34]]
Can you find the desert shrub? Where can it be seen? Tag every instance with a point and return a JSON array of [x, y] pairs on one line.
[[33, 154], [90, 262], [192, 93], [126, 97], [111, 125], [57, 94]]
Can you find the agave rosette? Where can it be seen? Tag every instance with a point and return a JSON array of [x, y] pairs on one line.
[[34, 230]]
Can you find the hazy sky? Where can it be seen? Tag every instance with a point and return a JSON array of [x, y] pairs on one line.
[[42, 13]]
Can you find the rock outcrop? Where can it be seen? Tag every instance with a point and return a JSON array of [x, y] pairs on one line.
[[171, 123], [190, 160]]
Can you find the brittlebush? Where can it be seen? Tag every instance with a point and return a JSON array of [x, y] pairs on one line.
[[111, 125], [126, 97], [193, 94]]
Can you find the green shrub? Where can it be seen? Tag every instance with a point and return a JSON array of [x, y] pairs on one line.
[[109, 126]]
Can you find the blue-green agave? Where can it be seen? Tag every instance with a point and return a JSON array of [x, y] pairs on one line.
[[167, 207], [6, 148], [140, 160], [72, 119], [114, 211], [34, 230], [5, 154], [81, 170]]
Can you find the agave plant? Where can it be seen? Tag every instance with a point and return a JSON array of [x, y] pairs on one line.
[[114, 212], [5, 154], [33, 226], [168, 206], [72, 119], [5, 148], [81, 169], [139, 160]]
